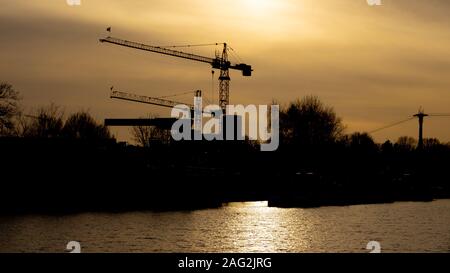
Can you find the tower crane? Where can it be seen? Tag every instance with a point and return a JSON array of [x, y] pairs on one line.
[[164, 123], [156, 101], [150, 100], [220, 62]]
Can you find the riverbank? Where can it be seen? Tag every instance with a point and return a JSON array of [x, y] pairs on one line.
[[67, 176]]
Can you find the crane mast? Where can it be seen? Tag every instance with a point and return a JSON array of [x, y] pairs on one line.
[[219, 62], [224, 80]]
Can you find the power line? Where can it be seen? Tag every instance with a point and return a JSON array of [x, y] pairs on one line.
[[439, 115], [391, 125]]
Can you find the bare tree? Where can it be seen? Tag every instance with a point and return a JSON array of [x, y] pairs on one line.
[[141, 135], [46, 123], [9, 108], [144, 135], [82, 125], [432, 144], [308, 122], [23, 126], [406, 143], [362, 142]]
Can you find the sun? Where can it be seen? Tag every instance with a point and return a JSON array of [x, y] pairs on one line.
[[259, 7]]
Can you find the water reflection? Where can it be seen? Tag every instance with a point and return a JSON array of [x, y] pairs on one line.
[[238, 227], [247, 204], [257, 229]]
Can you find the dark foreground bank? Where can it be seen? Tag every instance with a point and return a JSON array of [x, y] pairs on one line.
[[60, 176]]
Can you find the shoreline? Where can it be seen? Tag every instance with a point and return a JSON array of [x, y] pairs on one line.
[[271, 204]]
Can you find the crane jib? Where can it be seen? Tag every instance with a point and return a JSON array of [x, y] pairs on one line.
[[216, 63]]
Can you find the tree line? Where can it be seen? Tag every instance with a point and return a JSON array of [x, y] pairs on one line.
[[306, 124], [46, 121]]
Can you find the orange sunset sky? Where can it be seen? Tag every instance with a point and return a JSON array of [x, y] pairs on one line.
[[374, 64]]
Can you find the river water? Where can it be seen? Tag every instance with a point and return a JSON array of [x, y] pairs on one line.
[[238, 227]]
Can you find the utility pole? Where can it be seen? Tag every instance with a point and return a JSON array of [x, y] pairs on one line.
[[421, 115]]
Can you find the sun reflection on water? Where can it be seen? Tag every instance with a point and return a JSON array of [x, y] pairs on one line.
[[247, 204], [255, 227], [238, 227]]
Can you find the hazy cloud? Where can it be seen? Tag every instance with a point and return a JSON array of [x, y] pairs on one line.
[[373, 64]]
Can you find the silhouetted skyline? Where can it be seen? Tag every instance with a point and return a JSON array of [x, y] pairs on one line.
[[375, 65]]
